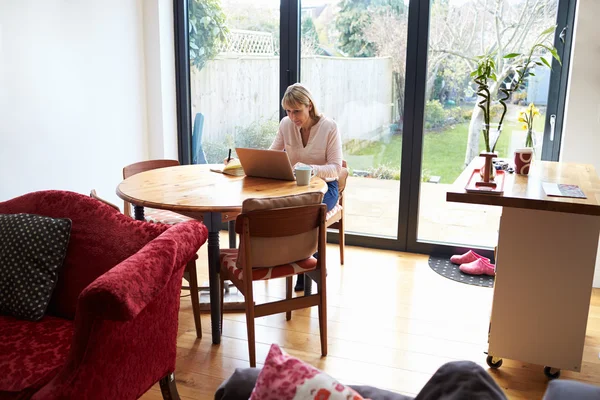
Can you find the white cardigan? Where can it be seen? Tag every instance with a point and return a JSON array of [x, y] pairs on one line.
[[323, 152]]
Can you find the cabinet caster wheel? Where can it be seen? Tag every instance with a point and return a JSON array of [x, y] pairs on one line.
[[494, 362], [551, 373]]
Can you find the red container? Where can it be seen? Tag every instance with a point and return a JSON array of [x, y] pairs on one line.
[[523, 159]]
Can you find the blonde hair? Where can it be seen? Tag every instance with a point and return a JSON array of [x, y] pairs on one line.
[[298, 94]]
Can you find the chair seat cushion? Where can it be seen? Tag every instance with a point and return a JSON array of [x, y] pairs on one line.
[[164, 217], [32, 352], [333, 211], [229, 261]]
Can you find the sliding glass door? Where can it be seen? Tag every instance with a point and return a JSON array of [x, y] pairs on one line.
[[234, 51], [459, 32], [395, 75], [353, 56]]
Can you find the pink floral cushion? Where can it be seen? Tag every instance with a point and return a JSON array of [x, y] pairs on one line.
[[287, 378], [229, 260]]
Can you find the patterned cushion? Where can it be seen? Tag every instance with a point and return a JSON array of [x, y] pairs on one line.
[[333, 211], [274, 251], [32, 352], [229, 261], [287, 378], [32, 249], [164, 217]]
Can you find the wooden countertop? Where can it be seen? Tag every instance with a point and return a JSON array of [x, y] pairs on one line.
[[525, 191]]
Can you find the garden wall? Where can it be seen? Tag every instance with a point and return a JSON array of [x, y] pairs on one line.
[[234, 92]]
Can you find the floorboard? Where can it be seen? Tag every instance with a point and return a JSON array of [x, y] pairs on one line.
[[392, 322]]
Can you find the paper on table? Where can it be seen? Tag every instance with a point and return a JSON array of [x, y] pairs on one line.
[[562, 190]]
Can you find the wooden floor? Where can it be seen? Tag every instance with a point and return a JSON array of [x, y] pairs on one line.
[[392, 322]]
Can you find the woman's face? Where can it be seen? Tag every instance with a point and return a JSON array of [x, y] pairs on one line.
[[299, 114]]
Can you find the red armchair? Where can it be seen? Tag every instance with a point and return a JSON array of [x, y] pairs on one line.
[[110, 331]]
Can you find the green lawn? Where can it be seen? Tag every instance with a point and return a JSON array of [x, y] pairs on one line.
[[443, 151]]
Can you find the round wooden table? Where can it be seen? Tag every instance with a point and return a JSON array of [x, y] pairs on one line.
[[199, 193]]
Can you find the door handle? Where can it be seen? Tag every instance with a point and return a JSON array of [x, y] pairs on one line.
[[563, 34], [552, 126]]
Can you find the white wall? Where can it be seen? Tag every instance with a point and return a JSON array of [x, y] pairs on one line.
[[75, 96], [581, 136]]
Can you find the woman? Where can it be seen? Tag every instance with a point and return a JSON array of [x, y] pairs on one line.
[[310, 139]]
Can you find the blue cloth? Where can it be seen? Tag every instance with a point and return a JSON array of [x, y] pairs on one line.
[[332, 195]]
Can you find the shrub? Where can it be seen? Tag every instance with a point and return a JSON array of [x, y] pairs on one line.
[[258, 135], [435, 114], [217, 151], [495, 112], [385, 172]]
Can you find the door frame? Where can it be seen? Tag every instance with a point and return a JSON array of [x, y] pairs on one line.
[[556, 98], [414, 109]]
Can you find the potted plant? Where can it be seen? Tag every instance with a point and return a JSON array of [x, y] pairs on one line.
[[526, 117], [485, 74]]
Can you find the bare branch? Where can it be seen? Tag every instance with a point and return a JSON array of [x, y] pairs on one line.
[[455, 53]]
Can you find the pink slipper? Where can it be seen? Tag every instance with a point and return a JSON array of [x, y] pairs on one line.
[[468, 257], [479, 267]]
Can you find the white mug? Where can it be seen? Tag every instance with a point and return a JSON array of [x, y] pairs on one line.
[[303, 175]]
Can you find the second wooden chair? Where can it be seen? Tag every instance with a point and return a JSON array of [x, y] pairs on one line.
[[278, 237]]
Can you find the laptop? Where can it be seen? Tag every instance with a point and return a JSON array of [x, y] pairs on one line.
[[272, 164]]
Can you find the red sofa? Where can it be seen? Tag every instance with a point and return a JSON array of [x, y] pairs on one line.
[[110, 331]]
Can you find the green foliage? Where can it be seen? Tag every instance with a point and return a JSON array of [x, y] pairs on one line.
[[216, 152], [351, 21], [387, 172], [207, 30], [309, 31], [435, 114], [258, 135]]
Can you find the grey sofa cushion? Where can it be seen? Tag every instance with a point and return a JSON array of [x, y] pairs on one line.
[[239, 387], [564, 389]]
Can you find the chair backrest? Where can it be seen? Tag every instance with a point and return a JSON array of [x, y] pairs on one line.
[[94, 195], [198, 156], [143, 166], [342, 178], [280, 230]]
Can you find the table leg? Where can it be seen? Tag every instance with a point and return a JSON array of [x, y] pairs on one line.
[[213, 222], [232, 238], [138, 212]]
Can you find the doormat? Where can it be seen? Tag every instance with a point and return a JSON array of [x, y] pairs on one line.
[[443, 266]]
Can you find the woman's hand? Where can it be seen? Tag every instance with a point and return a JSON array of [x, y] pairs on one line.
[[299, 164], [226, 161]]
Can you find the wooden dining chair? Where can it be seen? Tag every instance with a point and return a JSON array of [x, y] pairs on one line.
[[94, 195], [169, 218], [278, 237], [335, 217]]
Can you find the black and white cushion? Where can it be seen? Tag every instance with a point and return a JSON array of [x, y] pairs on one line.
[[32, 249]]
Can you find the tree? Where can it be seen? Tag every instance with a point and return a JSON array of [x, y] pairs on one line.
[[207, 30], [486, 26], [351, 21], [355, 16], [388, 33], [310, 37]]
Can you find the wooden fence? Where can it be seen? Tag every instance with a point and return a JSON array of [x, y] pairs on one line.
[[234, 92]]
